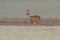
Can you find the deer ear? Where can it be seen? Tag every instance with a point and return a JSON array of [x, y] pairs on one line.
[[27, 9]]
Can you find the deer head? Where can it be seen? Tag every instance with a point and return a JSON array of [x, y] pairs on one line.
[[27, 12]]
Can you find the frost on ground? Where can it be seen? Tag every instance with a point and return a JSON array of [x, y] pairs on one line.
[[29, 32]]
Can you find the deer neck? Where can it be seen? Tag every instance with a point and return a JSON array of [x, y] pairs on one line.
[[28, 16]]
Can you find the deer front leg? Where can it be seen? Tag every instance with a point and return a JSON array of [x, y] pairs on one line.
[[30, 23]]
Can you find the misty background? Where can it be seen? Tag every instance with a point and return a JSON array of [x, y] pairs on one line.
[[17, 8]]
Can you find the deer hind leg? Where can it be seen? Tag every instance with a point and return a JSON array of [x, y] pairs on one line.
[[38, 22]]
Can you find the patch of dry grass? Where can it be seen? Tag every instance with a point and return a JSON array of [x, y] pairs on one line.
[[29, 32]]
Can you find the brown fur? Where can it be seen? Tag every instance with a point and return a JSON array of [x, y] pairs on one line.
[[32, 19]]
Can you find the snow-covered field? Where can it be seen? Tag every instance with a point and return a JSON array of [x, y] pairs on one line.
[[29, 32]]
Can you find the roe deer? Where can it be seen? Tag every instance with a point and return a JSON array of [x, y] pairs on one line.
[[32, 19]]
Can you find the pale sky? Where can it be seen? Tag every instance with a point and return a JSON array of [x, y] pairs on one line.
[[43, 8]]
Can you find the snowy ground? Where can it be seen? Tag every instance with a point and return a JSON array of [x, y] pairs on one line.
[[29, 32]]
